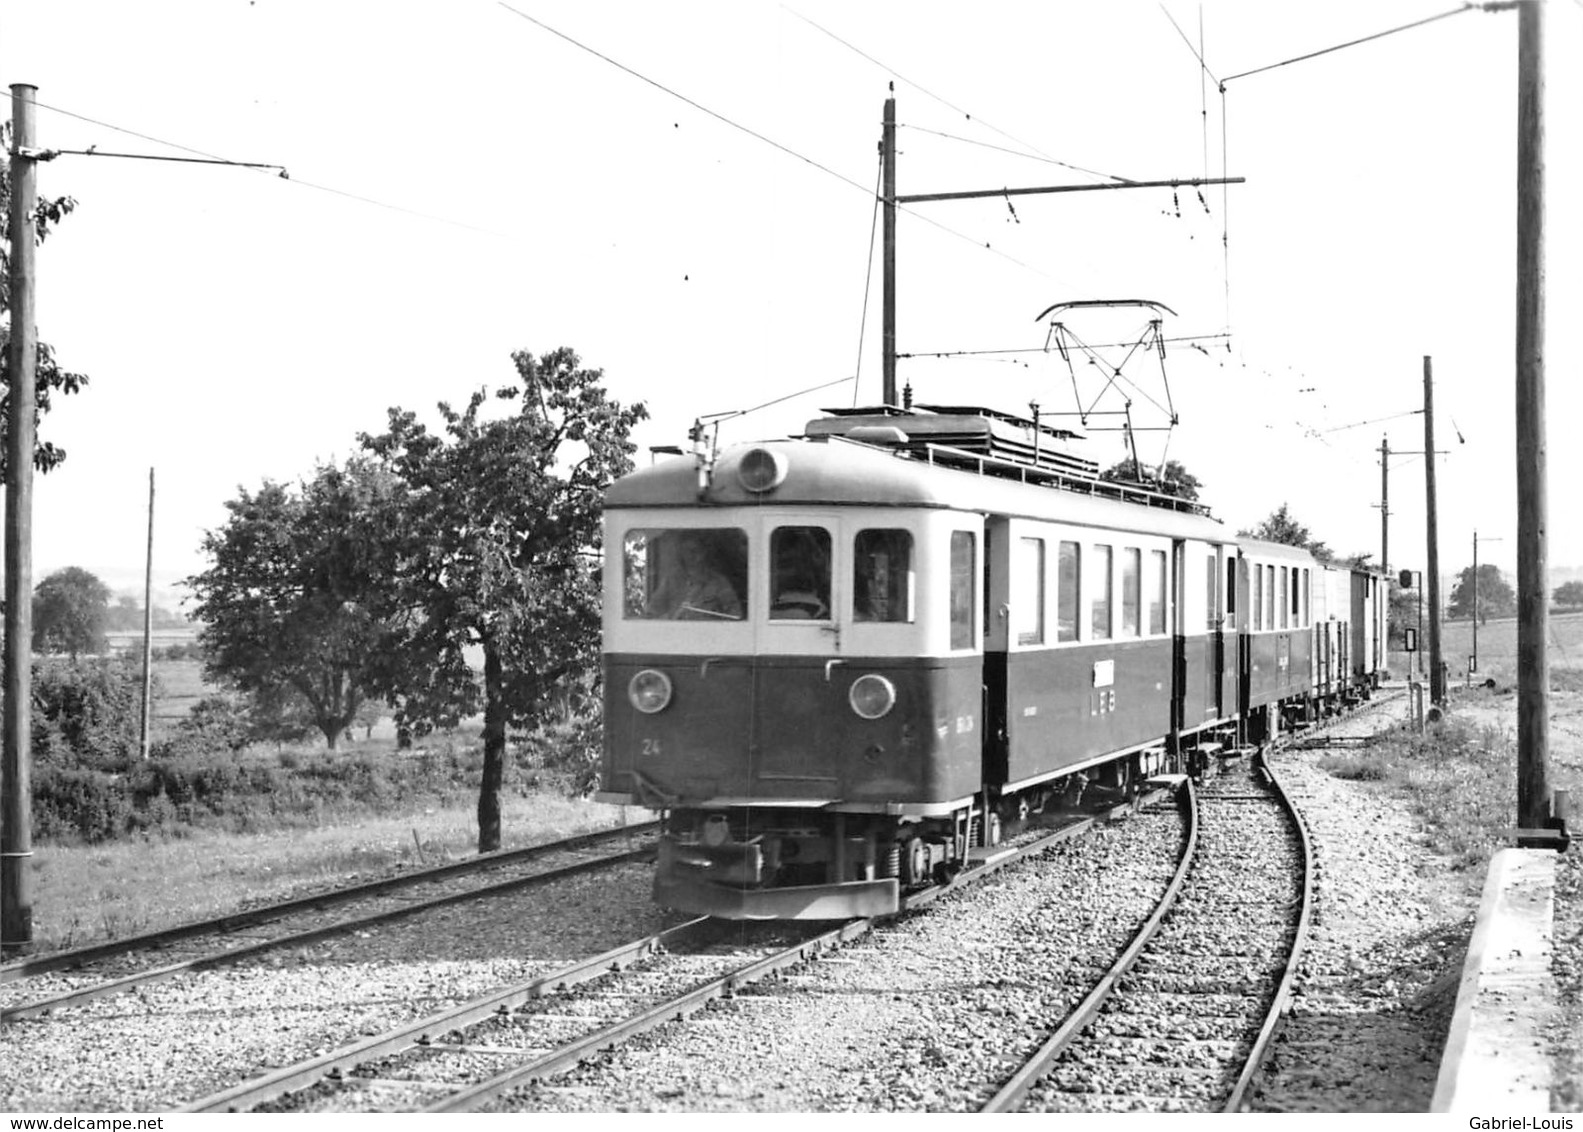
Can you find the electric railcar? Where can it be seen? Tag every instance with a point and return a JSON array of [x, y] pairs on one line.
[[841, 665]]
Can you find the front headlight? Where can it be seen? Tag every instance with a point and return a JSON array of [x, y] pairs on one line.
[[872, 696], [649, 691]]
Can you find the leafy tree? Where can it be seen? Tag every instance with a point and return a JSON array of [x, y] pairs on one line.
[[1173, 479], [50, 377], [287, 600], [501, 521], [70, 608], [1569, 594], [1280, 526], [1496, 598]]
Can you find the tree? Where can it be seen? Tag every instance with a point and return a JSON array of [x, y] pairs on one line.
[[1173, 479], [287, 602], [50, 377], [501, 521], [1280, 526], [1496, 598], [70, 609], [1569, 594]]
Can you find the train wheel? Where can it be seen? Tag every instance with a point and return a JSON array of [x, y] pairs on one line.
[[915, 861]]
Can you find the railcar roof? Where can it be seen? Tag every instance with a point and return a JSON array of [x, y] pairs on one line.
[[843, 474]]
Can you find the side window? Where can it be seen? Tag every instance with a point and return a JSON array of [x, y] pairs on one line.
[[1068, 591], [1159, 578], [1131, 589], [1308, 608], [882, 576], [1211, 578], [1258, 596], [1103, 585], [1269, 597], [800, 574], [1027, 592], [1231, 594], [963, 571], [1286, 609], [685, 574]]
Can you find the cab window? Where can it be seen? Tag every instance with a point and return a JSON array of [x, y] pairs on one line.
[[685, 574], [800, 574]]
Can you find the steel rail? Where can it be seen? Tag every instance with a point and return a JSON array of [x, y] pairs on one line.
[[468, 1099], [1016, 1088], [215, 959], [290, 1077], [78, 956], [1283, 992]]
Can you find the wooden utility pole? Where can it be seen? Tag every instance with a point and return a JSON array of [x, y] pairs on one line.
[[1385, 505], [148, 618], [1437, 675], [16, 840], [888, 300], [1534, 801]]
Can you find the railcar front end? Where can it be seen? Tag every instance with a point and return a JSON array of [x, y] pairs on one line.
[[792, 679]]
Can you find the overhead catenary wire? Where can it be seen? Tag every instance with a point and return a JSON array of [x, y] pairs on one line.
[[1468, 7], [943, 102], [448, 220], [842, 177]]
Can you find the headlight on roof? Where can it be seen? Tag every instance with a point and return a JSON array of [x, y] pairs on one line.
[[872, 696], [760, 470], [649, 691]]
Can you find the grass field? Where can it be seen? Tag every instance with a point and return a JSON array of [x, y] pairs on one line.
[[87, 893], [1497, 656]]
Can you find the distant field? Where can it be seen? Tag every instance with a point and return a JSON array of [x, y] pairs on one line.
[[1498, 647], [180, 685]]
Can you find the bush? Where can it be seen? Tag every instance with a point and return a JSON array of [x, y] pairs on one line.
[[87, 713], [215, 723]]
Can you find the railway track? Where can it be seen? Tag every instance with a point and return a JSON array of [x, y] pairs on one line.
[[41, 984], [468, 1056], [1183, 1018]]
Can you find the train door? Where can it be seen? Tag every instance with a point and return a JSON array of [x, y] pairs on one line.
[[1215, 622], [797, 614]]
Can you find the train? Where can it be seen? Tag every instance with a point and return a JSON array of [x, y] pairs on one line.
[[844, 665]]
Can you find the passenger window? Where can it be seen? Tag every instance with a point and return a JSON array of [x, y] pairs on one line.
[[1231, 594], [1103, 586], [1027, 595], [1269, 597], [1258, 597], [963, 571], [1159, 579], [1211, 576], [692, 574], [882, 576], [1067, 592], [1131, 589], [1285, 609], [800, 574]]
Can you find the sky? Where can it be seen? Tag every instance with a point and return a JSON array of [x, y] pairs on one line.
[[684, 193]]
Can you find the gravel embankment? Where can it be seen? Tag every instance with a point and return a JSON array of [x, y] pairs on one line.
[[928, 1013], [163, 1045]]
